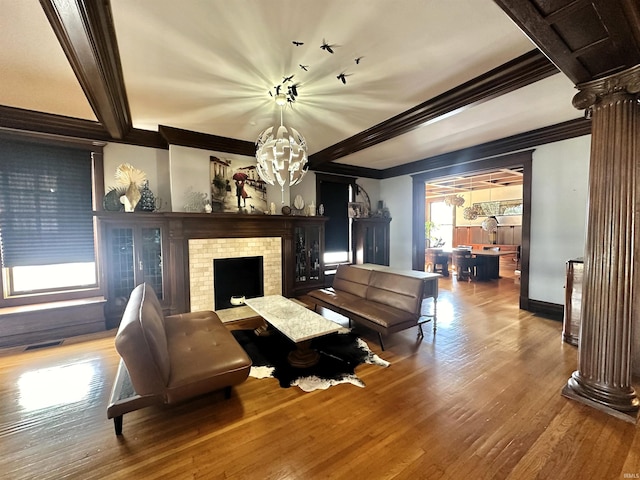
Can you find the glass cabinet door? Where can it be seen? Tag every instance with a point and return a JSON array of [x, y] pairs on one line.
[[308, 253], [313, 241], [301, 254], [150, 262], [122, 276]]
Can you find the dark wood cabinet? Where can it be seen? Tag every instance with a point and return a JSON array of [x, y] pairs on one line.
[[371, 240], [134, 251], [506, 235], [308, 240], [573, 301]]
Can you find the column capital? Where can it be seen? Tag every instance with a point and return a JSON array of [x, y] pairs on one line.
[[625, 83]]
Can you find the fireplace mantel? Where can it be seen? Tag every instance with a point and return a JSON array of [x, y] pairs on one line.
[[182, 227]]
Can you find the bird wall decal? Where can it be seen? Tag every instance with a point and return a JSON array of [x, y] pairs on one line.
[[287, 79], [343, 77], [297, 44], [304, 67], [325, 46], [357, 60]]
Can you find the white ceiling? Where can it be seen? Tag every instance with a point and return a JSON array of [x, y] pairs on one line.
[[208, 65]]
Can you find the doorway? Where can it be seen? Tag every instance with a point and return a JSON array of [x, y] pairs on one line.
[[520, 164]]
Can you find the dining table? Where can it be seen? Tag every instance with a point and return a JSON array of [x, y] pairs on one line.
[[488, 263]]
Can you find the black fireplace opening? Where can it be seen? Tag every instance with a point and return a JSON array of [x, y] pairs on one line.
[[236, 277]]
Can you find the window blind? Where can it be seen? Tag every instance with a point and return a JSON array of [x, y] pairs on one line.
[[45, 204], [334, 196]]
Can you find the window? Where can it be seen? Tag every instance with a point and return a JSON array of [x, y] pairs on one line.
[[334, 194], [441, 231], [46, 218]]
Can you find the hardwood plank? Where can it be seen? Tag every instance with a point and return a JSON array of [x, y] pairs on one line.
[[479, 399]]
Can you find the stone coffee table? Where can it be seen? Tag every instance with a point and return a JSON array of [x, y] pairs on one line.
[[297, 323]]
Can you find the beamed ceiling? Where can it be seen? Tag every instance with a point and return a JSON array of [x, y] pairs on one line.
[[385, 88]]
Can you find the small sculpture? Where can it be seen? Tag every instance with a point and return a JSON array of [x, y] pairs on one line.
[[132, 178]]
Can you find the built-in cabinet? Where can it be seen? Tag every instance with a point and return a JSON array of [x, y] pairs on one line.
[[506, 235], [308, 255], [371, 240], [135, 251]]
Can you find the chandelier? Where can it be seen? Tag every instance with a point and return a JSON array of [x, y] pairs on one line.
[[281, 153], [455, 199]]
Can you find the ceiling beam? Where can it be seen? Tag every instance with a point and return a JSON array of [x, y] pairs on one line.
[[188, 138], [586, 39], [86, 33], [524, 70]]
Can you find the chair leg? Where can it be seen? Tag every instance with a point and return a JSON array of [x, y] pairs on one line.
[[435, 314], [420, 331], [117, 423], [381, 342]]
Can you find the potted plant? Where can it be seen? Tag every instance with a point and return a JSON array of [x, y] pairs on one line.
[[431, 241]]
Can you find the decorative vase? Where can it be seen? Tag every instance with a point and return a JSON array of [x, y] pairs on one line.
[[131, 197], [147, 201]]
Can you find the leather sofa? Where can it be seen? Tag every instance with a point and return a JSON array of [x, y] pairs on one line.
[[383, 301], [166, 360]]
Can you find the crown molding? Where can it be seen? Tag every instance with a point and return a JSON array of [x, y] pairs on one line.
[[19, 119], [533, 138]]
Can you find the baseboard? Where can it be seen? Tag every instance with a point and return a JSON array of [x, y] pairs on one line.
[[553, 311]]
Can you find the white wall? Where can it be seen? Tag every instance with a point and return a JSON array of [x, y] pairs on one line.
[[560, 180], [188, 172], [397, 194], [154, 162]]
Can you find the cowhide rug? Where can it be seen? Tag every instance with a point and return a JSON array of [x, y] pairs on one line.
[[340, 354]]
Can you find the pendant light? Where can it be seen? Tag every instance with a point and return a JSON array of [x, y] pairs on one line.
[[281, 153]]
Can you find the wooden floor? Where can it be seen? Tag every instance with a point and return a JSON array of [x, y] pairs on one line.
[[479, 400]]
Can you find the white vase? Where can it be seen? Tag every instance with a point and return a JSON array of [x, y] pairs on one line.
[[131, 197]]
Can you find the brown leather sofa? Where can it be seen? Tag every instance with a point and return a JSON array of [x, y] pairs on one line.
[[383, 301], [166, 360]]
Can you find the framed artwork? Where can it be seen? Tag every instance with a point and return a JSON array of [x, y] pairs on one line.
[[236, 185], [356, 209], [499, 208]]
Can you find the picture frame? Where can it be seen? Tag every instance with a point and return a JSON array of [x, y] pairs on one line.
[[500, 208], [235, 185], [355, 209]]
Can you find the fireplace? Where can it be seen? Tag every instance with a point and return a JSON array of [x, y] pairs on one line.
[[236, 277], [202, 253]]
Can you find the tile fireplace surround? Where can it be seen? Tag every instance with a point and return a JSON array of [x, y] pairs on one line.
[[202, 252]]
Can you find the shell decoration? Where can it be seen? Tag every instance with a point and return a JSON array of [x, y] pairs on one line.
[[132, 178]]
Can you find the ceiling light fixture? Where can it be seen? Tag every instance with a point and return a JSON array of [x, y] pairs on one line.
[[281, 153], [455, 199]]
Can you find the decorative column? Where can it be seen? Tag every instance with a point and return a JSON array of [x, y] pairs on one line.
[[603, 378]]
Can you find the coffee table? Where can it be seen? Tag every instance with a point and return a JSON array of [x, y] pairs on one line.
[[297, 323]]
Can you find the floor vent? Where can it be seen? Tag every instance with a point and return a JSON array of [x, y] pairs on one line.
[[44, 345]]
